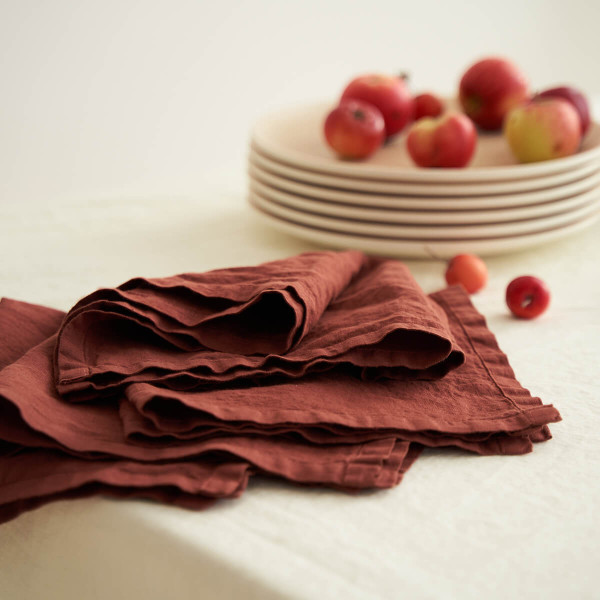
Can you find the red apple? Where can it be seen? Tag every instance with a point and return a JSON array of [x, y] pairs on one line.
[[576, 98], [354, 129], [448, 141], [527, 297], [467, 270], [543, 130], [428, 105], [389, 94], [490, 89]]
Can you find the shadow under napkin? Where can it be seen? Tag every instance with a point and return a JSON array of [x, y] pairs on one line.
[[176, 420]]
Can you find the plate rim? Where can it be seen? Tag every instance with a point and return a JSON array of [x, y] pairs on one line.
[[365, 170], [444, 217], [456, 232], [419, 189], [441, 203], [428, 249]]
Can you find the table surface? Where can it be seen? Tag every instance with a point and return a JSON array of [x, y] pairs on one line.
[[459, 525]]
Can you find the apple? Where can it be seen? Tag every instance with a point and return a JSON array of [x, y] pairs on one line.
[[389, 94], [354, 129], [446, 141], [576, 98], [428, 105], [467, 270], [489, 89], [527, 297], [543, 130]]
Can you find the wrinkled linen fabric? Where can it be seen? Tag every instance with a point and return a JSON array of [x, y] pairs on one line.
[[327, 368], [342, 310]]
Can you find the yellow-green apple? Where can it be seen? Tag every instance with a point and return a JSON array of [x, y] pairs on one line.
[[354, 129], [389, 94], [446, 141], [428, 105], [576, 98], [543, 130], [489, 89]]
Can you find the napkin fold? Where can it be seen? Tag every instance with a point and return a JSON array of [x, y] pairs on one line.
[[324, 369], [363, 314]]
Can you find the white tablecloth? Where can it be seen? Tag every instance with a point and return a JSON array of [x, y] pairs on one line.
[[458, 526]]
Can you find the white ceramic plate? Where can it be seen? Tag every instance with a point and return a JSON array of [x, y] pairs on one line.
[[433, 248], [420, 203], [295, 137], [424, 188], [447, 217], [418, 231]]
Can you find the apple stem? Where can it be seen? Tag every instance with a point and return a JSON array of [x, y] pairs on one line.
[[404, 76]]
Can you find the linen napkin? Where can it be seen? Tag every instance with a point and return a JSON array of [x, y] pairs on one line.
[[378, 371], [364, 314]]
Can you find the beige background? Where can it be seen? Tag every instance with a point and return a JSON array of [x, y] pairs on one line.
[[145, 96]]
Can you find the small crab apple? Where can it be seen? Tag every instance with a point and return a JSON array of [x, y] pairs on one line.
[[388, 93], [546, 129], [527, 297], [448, 141], [467, 270], [575, 97], [354, 129], [490, 88], [428, 105]]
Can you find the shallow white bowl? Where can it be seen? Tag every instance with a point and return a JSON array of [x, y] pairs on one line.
[[427, 189], [420, 203], [426, 248], [422, 217], [295, 137], [422, 231]]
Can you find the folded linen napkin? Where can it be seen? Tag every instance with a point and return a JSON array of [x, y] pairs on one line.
[[378, 371], [373, 319]]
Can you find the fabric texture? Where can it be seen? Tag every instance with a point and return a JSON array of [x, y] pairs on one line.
[[327, 368]]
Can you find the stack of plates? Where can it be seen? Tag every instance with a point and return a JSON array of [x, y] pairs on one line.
[[386, 205]]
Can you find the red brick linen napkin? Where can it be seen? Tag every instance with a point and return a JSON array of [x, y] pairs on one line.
[[337, 424], [349, 311]]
